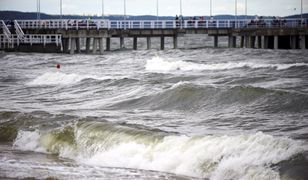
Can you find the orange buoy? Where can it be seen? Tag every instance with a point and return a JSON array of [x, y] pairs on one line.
[[58, 66]]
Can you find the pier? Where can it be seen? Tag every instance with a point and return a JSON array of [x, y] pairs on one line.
[[94, 36]]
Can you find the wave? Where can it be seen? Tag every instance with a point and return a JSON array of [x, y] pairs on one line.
[[59, 78], [160, 64], [192, 97], [251, 156]]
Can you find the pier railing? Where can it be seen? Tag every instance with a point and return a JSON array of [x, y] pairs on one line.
[[5, 30], [160, 24], [39, 39], [19, 32]]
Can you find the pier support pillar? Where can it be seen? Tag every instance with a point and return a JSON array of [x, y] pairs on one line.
[[232, 42], [65, 42], [78, 45], [215, 41], [276, 42], [242, 41], [108, 44], [303, 42], [175, 42], [94, 50], [265, 42], [247, 42], [73, 45], [101, 46], [148, 42], [121, 42], [259, 42], [135, 41], [162, 42], [88, 41], [293, 42], [252, 41]]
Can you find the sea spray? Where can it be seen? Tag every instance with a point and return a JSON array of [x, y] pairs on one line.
[[60, 78], [160, 64], [245, 156]]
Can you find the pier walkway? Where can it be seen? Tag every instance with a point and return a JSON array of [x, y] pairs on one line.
[[66, 35]]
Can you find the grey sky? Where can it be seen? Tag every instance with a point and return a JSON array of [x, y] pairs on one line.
[[166, 7]]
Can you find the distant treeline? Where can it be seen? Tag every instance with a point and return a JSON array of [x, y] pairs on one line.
[[11, 15]]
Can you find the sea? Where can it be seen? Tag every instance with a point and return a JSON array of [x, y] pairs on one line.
[[195, 112]]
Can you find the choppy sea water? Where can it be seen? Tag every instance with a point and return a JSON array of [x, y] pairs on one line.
[[149, 114]]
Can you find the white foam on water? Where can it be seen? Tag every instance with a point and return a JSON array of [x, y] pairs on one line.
[[159, 64], [214, 157], [28, 141], [60, 78], [211, 156]]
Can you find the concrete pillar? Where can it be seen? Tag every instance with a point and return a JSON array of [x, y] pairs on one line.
[[252, 41], [293, 43], [148, 42], [162, 42], [121, 42], [88, 41], [65, 42], [242, 41], [276, 42], [259, 42], [215, 41], [175, 42], [101, 46], [135, 42], [78, 45], [303, 42], [108, 44], [265, 42], [232, 42], [94, 50], [247, 44], [73, 45]]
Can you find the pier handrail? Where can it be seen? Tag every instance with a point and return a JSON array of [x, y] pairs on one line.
[[37, 39], [19, 31], [161, 24], [5, 30]]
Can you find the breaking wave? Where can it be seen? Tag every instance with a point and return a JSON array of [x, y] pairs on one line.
[[246, 156], [59, 78], [160, 64]]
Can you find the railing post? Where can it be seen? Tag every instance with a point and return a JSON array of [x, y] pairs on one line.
[[44, 40], [30, 39]]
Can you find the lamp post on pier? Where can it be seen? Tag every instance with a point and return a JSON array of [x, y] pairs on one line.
[[103, 11], [302, 20], [210, 8], [61, 9], [124, 10], [236, 23], [181, 13], [38, 6], [245, 12], [157, 13], [156, 10]]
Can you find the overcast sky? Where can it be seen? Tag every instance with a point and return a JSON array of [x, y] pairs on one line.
[[166, 7]]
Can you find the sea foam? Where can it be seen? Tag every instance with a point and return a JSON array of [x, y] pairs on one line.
[[249, 156], [60, 78], [160, 64]]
